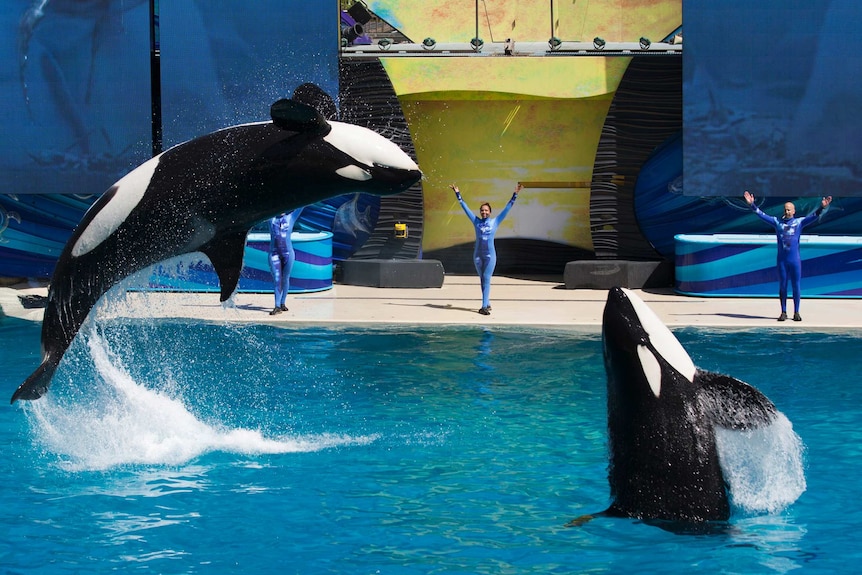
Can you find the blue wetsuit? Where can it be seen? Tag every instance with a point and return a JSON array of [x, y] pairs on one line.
[[788, 232], [484, 254], [281, 254]]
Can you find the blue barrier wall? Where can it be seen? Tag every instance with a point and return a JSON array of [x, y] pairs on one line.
[[744, 265], [312, 270]]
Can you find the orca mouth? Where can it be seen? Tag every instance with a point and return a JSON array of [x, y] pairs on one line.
[[619, 304], [399, 177], [620, 322]]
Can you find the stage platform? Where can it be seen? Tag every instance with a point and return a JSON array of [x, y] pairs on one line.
[[391, 273], [605, 274]]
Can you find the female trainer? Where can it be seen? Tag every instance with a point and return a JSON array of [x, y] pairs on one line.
[[484, 254], [281, 255]]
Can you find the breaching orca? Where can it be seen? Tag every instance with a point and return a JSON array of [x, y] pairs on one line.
[[662, 414], [204, 195]]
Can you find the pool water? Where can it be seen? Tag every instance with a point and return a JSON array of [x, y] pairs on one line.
[[189, 447]]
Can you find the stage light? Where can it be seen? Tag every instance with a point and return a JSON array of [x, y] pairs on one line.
[[429, 43], [599, 43], [477, 43], [384, 43], [351, 33], [554, 43], [645, 43]]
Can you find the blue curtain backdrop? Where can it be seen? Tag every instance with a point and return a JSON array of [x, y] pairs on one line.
[[76, 98]]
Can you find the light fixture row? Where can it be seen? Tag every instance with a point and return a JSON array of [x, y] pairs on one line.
[[477, 43]]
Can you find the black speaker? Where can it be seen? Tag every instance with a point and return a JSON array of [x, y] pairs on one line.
[[359, 13]]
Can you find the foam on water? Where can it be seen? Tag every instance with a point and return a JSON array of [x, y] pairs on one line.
[[124, 423], [763, 467]]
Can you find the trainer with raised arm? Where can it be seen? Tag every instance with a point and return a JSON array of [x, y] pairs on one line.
[[484, 253], [788, 229], [282, 256]]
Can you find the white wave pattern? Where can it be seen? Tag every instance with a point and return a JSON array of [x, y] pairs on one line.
[[763, 467], [129, 424]]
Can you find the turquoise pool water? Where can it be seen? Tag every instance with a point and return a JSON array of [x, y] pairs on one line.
[[187, 447]]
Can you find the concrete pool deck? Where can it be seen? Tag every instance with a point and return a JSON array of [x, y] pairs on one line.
[[539, 301]]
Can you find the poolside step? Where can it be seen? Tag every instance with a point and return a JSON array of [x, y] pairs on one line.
[[392, 273], [605, 274]]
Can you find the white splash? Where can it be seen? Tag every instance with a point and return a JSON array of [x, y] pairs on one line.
[[763, 467], [125, 423]]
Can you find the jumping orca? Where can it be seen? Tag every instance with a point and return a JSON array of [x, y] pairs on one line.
[[204, 195], [662, 414]]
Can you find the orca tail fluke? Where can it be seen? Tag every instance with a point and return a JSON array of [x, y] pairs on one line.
[[37, 384]]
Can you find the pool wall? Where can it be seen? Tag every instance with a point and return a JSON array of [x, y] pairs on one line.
[[744, 265], [312, 270]]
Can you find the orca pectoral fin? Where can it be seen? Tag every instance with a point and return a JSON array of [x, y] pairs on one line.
[[37, 384], [225, 254], [584, 519], [732, 403], [580, 521]]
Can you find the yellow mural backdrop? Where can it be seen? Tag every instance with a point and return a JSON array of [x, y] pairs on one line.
[[489, 123], [547, 144]]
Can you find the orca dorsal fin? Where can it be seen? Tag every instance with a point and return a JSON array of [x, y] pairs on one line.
[[226, 254], [733, 404], [298, 117]]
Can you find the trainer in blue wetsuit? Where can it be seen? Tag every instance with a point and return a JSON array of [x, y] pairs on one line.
[[788, 229], [484, 254], [281, 255]]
